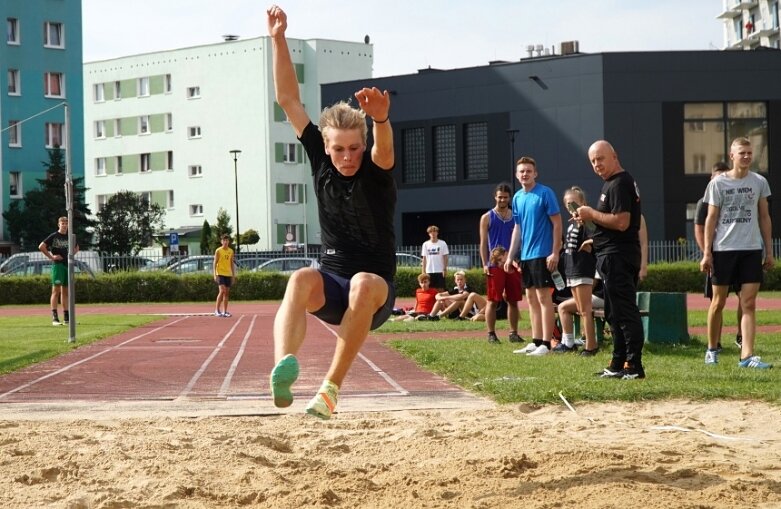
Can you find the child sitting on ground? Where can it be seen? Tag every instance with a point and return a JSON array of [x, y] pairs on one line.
[[450, 303], [425, 297]]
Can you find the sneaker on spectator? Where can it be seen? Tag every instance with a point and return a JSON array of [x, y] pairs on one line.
[[580, 342], [739, 341], [711, 356], [226, 315], [718, 347], [493, 338], [754, 362], [217, 313], [631, 372], [56, 322], [589, 353], [539, 351], [562, 348], [526, 349], [515, 338], [612, 371]]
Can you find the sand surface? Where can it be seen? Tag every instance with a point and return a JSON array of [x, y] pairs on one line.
[[651, 455]]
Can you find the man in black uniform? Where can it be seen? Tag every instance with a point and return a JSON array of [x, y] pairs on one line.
[[356, 199], [617, 247]]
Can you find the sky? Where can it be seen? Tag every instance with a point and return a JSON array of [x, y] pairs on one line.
[[410, 35]]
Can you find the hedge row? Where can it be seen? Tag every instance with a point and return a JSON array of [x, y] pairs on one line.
[[167, 287]]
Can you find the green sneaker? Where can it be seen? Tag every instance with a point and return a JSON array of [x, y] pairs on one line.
[[282, 377], [324, 402]]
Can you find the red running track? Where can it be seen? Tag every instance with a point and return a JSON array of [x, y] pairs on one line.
[[195, 357]]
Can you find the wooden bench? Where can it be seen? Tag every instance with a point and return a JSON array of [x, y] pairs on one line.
[[599, 322]]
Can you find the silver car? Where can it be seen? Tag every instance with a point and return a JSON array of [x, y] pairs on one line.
[[287, 265]]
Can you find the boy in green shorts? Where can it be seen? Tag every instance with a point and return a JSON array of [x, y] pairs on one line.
[[55, 248]]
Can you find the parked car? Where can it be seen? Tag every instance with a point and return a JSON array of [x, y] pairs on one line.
[[287, 265], [162, 263], [459, 262], [193, 264], [250, 262], [43, 267], [113, 263], [408, 260], [88, 259]]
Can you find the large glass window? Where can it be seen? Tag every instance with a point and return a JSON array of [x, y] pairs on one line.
[[15, 184], [12, 31], [53, 35], [414, 156], [54, 84], [53, 134], [14, 87], [476, 151], [709, 128], [14, 133], [445, 153]]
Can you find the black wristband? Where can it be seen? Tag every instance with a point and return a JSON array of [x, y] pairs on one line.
[[381, 121]]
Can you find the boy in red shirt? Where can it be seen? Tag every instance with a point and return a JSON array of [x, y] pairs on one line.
[[425, 297]]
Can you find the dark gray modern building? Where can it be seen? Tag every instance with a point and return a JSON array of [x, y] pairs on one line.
[[670, 116]]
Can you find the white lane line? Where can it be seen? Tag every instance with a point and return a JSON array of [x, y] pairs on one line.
[[86, 359], [202, 369], [229, 376], [401, 390]]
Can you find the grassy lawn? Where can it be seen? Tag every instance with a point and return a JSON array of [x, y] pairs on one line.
[[673, 371], [28, 340]]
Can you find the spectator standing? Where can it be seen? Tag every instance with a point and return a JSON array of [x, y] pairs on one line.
[[700, 214], [55, 248], [737, 247], [496, 230], [537, 235], [356, 200], [617, 221], [434, 254], [224, 275]]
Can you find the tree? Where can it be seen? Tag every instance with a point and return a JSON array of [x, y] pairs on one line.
[[206, 237], [222, 227], [127, 222], [33, 218], [250, 237]]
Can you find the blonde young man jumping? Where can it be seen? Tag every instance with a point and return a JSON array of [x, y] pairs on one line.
[[356, 199]]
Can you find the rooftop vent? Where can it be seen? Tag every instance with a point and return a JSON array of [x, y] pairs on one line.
[[569, 47]]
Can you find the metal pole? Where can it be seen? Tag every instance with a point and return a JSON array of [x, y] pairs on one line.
[[306, 233], [236, 182], [511, 133], [71, 229]]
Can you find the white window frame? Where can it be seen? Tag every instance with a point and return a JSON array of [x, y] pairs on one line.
[[59, 29], [146, 196], [170, 199], [291, 234], [100, 166], [195, 171], [14, 82], [169, 122], [144, 163], [117, 90], [143, 125], [100, 129], [196, 209], [289, 153], [194, 92], [15, 181], [169, 160], [194, 132], [117, 128], [14, 133], [54, 130], [118, 165], [100, 201], [291, 193], [47, 80], [12, 35], [99, 92], [143, 87], [167, 84]]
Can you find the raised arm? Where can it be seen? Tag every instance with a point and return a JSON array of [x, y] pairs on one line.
[[285, 81], [376, 104]]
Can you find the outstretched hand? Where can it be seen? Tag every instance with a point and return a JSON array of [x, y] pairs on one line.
[[277, 21], [374, 103]]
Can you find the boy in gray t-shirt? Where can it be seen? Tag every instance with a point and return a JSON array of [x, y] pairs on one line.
[[737, 247]]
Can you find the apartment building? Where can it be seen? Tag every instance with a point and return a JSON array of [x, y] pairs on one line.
[[41, 61], [750, 24], [165, 125]]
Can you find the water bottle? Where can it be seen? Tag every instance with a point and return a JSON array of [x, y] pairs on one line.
[[558, 280]]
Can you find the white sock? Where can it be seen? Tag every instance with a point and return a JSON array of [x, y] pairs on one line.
[[568, 340]]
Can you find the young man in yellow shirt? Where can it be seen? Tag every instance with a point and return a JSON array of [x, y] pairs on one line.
[[224, 275]]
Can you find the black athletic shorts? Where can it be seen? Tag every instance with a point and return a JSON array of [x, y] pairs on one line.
[[536, 274], [734, 268], [337, 298]]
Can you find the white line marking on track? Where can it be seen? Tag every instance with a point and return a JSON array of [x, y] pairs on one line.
[[208, 361], [229, 376], [401, 390], [86, 359]]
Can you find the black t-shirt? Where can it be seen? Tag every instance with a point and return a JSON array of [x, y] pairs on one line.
[[619, 194], [356, 213], [57, 244]]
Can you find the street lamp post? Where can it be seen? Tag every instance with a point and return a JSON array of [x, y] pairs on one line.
[[511, 133], [236, 153]]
